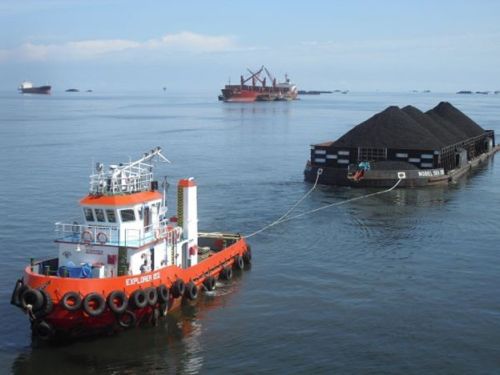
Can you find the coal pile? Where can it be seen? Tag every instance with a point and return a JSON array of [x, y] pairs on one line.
[[458, 119], [410, 128]]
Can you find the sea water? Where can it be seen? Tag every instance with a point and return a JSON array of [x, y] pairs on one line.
[[400, 283]]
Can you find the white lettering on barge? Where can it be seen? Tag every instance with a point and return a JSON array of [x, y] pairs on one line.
[[142, 279], [431, 173]]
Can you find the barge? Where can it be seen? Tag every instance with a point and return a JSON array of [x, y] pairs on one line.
[[420, 149], [127, 261]]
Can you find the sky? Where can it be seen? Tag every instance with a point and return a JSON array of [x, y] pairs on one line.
[[369, 45]]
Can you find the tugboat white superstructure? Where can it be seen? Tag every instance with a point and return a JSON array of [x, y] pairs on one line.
[[127, 259]]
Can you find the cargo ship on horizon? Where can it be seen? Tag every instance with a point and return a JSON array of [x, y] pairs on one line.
[[254, 88], [27, 88]]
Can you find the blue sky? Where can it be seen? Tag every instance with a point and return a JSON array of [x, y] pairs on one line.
[[198, 45]]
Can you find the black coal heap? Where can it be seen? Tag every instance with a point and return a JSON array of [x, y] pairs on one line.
[[410, 128]]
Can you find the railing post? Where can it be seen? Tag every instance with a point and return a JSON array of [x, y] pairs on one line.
[[32, 263]]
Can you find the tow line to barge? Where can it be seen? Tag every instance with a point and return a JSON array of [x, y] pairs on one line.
[[285, 217]]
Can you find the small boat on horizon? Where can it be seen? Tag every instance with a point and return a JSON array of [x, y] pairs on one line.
[[27, 87]]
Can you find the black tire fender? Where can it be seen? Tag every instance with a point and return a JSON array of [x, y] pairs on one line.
[[151, 296], [48, 304], [19, 288], [32, 297], [191, 291], [71, 301], [178, 288], [239, 263], [247, 255], [209, 283], [117, 301], [94, 304], [127, 320], [138, 299], [226, 273], [43, 330], [163, 293]]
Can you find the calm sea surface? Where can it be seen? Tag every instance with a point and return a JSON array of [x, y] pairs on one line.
[[401, 283]]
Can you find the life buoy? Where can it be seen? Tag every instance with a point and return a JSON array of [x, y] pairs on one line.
[[191, 291], [42, 330], [94, 304], [31, 297], [209, 283], [163, 294], [178, 288], [157, 233], [117, 301], [151, 296], [87, 236], [127, 320], [138, 299], [226, 273], [239, 263], [247, 255], [102, 238], [71, 301]]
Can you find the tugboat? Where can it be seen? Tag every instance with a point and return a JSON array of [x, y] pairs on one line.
[[127, 262], [27, 88]]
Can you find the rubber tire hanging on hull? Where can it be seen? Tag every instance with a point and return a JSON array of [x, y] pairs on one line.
[[47, 305], [247, 255], [19, 288], [209, 283], [42, 330], [129, 321], [226, 273], [178, 288], [163, 294], [239, 263], [151, 296], [98, 301], [138, 299], [31, 297], [117, 301], [191, 291], [71, 301]]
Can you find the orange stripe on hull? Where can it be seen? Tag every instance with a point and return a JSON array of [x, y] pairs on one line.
[[120, 200]]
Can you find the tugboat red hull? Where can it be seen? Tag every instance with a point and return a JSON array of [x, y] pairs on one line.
[[76, 307]]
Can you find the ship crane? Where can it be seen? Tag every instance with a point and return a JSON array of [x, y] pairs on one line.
[[273, 80]]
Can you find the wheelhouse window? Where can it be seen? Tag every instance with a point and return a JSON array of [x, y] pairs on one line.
[[127, 215], [111, 216], [99, 214], [89, 215]]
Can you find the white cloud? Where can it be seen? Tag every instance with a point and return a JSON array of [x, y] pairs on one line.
[[89, 49]]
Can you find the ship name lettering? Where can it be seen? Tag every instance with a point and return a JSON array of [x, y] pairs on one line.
[[142, 279]]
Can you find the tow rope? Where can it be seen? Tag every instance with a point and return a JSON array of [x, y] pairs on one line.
[[285, 217]]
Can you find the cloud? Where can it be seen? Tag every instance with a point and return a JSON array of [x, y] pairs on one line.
[[90, 49]]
